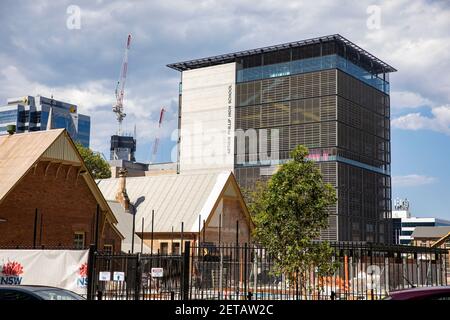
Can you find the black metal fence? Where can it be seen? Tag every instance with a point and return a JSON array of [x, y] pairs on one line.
[[239, 272], [138, 282]]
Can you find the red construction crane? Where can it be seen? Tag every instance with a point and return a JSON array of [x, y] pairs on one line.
[[120, 87], [156, 143]]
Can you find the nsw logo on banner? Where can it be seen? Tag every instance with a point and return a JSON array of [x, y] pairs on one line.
[[11, 272], [82, 276]]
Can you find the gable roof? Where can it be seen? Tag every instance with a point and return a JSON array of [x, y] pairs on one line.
[[21, 151], [430, 232], [441, 241], [18, 153], [175, 198]]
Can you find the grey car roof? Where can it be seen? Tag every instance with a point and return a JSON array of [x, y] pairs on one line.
[[30, 287]]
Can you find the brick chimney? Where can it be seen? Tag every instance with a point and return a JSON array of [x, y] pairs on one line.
[[121, 195]]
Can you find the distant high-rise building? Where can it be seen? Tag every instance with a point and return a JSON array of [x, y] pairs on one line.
[[123, 148], [325, 93], [404, 224], [31, 113]]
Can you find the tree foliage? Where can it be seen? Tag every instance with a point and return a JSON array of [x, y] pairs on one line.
[[94, 162], [289, 212]]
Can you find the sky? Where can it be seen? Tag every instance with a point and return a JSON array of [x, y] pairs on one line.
[[73, 50]]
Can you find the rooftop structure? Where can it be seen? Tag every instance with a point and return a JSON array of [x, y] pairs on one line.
[[348, 49]]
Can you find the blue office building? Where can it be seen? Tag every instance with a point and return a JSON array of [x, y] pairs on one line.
[[32, 114]]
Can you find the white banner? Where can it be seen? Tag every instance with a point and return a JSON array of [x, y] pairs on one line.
[[65, 269]]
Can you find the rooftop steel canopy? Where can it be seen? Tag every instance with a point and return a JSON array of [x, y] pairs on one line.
[[230, 57]]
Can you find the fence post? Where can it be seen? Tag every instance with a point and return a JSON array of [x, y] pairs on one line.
[[90, 273], [245, 267], [35, 228], [137, 288], [185, 275], [387, 288], [371, 276]]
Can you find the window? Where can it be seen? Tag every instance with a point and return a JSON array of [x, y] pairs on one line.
[[447, 244], [108, 248], [8, 116], [176, 248], [370, 232], [15, 295], [356, 231], [78, 240], [164, 248], [57, 294], [24, 116]]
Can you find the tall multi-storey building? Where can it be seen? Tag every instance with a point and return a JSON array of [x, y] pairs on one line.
[[32, 114], [325, 93]]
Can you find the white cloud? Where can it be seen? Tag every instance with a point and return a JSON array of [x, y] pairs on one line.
[[412, 180], [407, 99], [82, 65], [439, 121], [95, 98], [89, 95]]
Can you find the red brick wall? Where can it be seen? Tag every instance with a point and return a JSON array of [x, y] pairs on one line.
[[67, 206]]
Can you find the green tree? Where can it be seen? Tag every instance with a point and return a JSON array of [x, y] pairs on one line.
[[290, 210], [94, 162]]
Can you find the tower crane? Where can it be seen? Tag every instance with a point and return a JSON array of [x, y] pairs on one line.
[[120, 87]]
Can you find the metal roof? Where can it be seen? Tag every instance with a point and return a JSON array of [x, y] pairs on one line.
[[430, 232], [175, 198], [230, 57], [125, 227]]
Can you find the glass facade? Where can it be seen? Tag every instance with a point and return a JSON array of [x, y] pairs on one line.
[[84, 129], [32, 114], [8, 116], [345, 124], [313, 64]]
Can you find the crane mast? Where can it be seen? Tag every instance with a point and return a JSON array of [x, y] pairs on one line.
[[120, 88]]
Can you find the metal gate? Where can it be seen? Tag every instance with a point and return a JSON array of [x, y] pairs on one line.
[[129, 277]]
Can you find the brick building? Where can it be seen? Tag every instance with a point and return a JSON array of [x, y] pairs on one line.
[[47, 196], [431, 236], [192, 206]]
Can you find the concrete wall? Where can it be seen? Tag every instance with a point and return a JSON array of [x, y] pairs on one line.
[[67, 206], [207, 118], [155, 169]]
